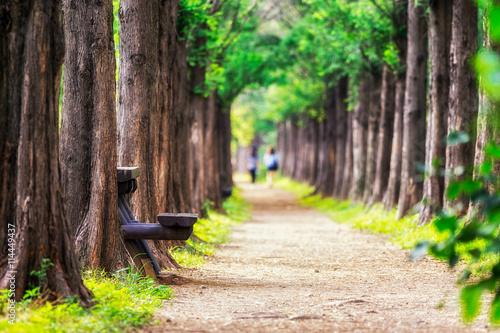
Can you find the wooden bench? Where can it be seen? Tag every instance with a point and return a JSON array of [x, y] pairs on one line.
[[170, 227]]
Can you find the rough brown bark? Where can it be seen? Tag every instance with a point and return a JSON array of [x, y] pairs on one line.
[[392, 193], [439, 48], [348, 164], [463, 104], [359, 138], [88, 135], [41, 228], [384, 136], [414, 110], [138, 112], [12, 40], [372, 142], [327, 163], [340, 129], [224, 137], [212, 152], [174, 177]]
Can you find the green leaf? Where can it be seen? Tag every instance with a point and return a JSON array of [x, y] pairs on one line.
[[454, 189], [446, 223], [486, 168], [494, 19], [493, 150], [456, 138], [419, 251], [471, 302]]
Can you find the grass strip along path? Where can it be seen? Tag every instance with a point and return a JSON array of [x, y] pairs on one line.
[[291, 268]]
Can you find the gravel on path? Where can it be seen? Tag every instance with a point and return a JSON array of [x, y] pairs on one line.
[[292, 269]]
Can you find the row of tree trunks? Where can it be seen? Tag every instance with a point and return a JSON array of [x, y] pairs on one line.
[[389, 139], [33, 46]]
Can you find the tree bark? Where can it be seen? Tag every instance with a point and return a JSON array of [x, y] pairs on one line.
[[174, 177], [212, 152], [328, 141], [88, 135], [463, 104], [439, 48], [348, 166], [393, 185], [414, 110], [41, 228], [224, 137], [340, 130], [359, 138], [372, 143], [138, 112], [391, 195], [384, 136]]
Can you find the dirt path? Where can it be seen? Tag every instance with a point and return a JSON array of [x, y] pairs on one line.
[[292, 269]]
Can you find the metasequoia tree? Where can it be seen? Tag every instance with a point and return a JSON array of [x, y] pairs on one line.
[[439, 48], [138, 112], [88, 135], [371, 137], [359, 137], [384, 136], [463, 104], [340, 131], [414, 110], [34, 47], [174, 177]]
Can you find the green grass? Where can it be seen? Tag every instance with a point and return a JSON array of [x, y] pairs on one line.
[[124, 301], [213, 230], [405, 232]]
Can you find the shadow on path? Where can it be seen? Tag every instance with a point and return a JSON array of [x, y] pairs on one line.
[[292, 269]]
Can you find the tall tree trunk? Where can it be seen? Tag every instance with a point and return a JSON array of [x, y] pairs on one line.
[[414, 110], [12, 40], [88, 135], [384, 136], [391, 195], [174, 178], [488, 122], [198, 108], [372, 143], [339, 127], [439, 48], [359, 138], [138, 112], [348, 164], [41, 228], [224, 142], [327, 180], [393, 185], [282, 145], [212, 152], [463, 104]]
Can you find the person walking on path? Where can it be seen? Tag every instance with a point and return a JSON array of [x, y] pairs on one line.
[[271, 162], [252, 163]]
